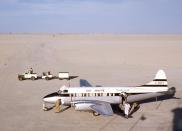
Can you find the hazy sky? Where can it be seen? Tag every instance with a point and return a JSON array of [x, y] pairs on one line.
[[91, 16]]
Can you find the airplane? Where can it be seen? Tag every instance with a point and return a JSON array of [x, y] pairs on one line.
[[98, 100]]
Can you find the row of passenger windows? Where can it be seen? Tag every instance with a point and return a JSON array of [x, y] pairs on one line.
[[89, 94]]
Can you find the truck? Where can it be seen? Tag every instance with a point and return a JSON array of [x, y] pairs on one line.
[[47, 75], [27, 75], [63, 75]]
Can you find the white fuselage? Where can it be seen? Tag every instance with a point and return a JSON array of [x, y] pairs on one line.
[[137, 89], [67, 95], [99, 99]]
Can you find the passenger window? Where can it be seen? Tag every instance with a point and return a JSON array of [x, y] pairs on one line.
[[65, 95]]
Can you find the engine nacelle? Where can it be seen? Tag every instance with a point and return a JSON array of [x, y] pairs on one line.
[[83, 106]]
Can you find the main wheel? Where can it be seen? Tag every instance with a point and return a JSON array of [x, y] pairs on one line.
[[96, 114], [33, 78], [47, 78], [45, 109]]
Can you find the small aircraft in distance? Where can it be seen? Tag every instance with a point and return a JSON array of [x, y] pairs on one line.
[[98, 100]]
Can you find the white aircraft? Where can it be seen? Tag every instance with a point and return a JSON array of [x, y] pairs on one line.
[[99, 99]]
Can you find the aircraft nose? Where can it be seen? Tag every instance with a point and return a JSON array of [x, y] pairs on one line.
[[51, 98]]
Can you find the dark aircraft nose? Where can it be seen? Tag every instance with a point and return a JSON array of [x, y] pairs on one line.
[[51, 98], [51, 95]]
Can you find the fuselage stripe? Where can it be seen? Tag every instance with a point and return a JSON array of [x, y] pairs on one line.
[[160, 80], [155, 85]]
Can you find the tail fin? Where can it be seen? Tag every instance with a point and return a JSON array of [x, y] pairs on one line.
[[84, 83], [159, 80]]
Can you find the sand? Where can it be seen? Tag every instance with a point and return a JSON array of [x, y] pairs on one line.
[[107, 60]]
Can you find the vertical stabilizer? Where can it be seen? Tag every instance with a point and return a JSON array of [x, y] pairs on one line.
[[160, 76], [159, 80]]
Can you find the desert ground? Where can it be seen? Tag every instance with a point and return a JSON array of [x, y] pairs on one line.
[[106, 60]]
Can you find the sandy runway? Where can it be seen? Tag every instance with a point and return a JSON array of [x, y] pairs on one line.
[[107, 60]]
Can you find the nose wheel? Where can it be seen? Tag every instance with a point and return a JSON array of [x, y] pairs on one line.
[[44, 107], [56, 106]]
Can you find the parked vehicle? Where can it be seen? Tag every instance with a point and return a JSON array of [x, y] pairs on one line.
[[63, 75], [28, 75], [47, 75]]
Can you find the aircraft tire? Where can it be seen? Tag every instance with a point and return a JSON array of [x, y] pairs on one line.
[[95, 114]]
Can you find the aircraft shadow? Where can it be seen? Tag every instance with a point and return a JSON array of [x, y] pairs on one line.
[[49, 108], [177, 119], [117, 110], [63, 108], [56, 77]]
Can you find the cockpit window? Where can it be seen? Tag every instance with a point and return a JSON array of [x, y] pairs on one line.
[[65, 91]]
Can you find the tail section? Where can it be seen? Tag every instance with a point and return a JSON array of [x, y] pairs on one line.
[[159, 80]]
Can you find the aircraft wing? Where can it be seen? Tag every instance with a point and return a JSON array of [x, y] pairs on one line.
[[103, 108]]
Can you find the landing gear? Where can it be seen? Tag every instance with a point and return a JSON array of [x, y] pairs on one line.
[[126, 116], [95, 114], [124, 105], [44, 107]]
